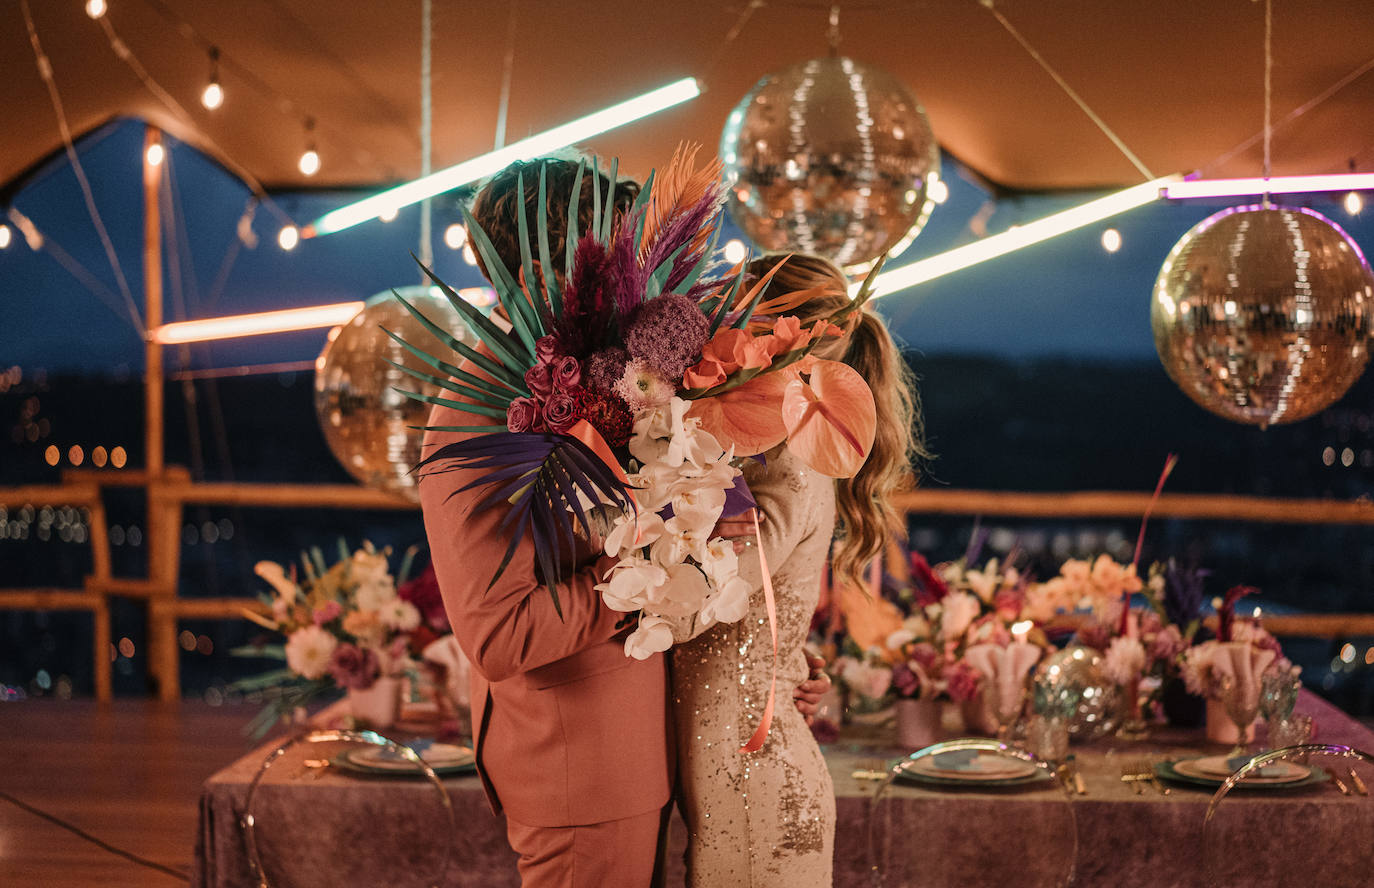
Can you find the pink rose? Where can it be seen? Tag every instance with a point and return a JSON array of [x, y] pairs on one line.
[[545, 348], [523, 415], [540, 380], [563, 409], [327, 612], [566, 372]]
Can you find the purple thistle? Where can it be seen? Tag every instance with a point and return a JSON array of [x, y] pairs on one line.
[[589, 304], [631, 277], [668, 333]]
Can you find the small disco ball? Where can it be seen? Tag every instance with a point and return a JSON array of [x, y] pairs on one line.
[[1070, 683], [367, 423], [1261, 314], [831, 157]]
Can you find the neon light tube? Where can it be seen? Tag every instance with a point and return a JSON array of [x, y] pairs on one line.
[[232, 326], [922, 270], [478, 167], [1275, 185]]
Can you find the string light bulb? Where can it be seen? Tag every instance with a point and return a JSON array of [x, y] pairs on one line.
[[735, 251], [309, 163], [288, 237], [5, 236], [213, 96], [1111, 240], [388, 215], [469, 256], [1354, 203], [155, 154], [96, 8], [455, 236]]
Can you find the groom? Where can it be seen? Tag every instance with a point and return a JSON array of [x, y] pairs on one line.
[[571, 734]]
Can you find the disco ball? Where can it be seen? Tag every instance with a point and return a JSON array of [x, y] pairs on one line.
[[832, 157], [1261, 314], [1070, 685], [366, 422]]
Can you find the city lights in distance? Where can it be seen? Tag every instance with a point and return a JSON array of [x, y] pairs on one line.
[[288, 237], [155, 154], [455, 236], [735, 251], [1111, 240]]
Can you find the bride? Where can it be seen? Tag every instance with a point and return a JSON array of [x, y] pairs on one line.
[[767, 818]]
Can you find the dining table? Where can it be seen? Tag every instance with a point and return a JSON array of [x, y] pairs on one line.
[[315, 824]]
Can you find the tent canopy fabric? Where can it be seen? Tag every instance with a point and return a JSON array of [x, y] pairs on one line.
[[1180, 82]]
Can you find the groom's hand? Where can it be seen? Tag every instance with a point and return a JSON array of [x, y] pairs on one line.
[[808, 694], [739, 529]]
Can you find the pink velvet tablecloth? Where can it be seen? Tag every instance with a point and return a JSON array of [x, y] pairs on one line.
[[326, 827]]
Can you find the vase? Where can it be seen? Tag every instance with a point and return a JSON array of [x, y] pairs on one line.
[[1220, 727], [377, 706], [1133, 726], [918, 723]]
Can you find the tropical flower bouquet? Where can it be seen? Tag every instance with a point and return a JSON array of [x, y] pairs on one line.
[[346, 627], [627, 391]]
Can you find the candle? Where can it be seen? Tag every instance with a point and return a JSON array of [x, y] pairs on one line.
[[1020, 630]]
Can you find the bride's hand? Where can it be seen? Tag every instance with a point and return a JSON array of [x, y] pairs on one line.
[[808, 694], [739, 529]]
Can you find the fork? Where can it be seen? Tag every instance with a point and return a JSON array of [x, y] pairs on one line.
[[1131, 776]]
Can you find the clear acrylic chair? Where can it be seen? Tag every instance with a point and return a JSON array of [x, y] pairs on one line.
[[305, 825], [972, 806], [1297, 816]]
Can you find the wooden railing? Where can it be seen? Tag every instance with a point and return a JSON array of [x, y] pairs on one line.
[[170, 492]]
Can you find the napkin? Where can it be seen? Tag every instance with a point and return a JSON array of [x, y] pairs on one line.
[[446, 652], [1005, 669], [1244, 664]]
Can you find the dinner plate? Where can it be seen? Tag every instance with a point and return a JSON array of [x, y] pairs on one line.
[[1167, 770], [912, 775], [972, 768], [443, 759], [1223, 766]]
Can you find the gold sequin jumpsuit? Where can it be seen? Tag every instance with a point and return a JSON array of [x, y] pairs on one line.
[[767, 818]]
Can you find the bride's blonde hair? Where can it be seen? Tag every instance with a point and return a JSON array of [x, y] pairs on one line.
[[864, 502]]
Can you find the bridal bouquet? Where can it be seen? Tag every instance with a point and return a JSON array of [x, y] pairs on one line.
[[633, 383]]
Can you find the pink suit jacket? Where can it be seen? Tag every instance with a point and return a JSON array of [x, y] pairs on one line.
[[568, 729]]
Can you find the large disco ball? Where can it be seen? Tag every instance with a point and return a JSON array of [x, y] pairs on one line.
[[1070, 684], [832, 157], [367, 423], [1261, 314]]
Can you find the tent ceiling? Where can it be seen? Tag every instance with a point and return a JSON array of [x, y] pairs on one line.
[[1179, 80]]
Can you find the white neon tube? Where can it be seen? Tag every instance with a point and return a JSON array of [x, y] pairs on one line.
[[256, 324], [478, 167], [922, 270], [1275, 185]]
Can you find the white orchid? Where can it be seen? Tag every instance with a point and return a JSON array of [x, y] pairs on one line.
[[683, 593], [633, 531], [728, 604], [632, 581], [653, 636]]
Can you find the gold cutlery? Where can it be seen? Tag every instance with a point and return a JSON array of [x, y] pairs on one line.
[[1335, 778], [1128, 775], [1358, 782], [1078, 785]]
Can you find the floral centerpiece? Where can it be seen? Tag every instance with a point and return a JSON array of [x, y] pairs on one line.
[[632, 384], [346, 626]]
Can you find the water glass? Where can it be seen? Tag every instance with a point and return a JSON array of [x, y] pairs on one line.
[[1047, 738], [1292, 731]]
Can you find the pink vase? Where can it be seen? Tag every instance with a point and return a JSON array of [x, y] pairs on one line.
[[1220, 728], [918, 723], [378, 706]]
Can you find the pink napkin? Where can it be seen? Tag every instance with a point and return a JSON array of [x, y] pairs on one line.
[[446, 652], [1245, 663], [1005, 669]]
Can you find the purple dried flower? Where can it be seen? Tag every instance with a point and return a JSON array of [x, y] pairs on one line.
[[604, 369], [668, 333], [353, 667]]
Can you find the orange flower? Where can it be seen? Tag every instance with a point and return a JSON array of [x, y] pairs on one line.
[[704, 375]]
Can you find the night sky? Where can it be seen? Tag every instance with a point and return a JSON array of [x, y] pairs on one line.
[[1064, 298]]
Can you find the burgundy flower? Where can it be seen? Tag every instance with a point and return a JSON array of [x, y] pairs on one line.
[[905, 681], [423, 592], [930, 588], [524, 415], [668, 333], [604, 369], [353, 667], [545, 349], [540, 380], [564, 408], [925, 655], [566, 372], [1095, 635], [825, 730], [611, 418]]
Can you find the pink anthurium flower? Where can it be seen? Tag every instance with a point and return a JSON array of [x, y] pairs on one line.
[[830, 418], [747, 416]]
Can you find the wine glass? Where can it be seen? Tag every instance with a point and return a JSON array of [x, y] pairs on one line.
[[1241, 707]]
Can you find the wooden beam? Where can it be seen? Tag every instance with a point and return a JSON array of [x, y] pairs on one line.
[[1114, 504], [328, 496]]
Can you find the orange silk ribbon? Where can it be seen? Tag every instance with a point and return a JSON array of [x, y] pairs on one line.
[[587, 434], [761, 733]]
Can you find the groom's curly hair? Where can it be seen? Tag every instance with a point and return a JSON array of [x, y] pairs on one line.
[[497, 204]]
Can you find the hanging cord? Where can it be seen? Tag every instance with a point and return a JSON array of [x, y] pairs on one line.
[[832, 35], [103, 845], [67, 261], [46, 72], [426, 132], [1268, 84], [507, 71], [126, 55], [1068, 90], [731, 36]]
